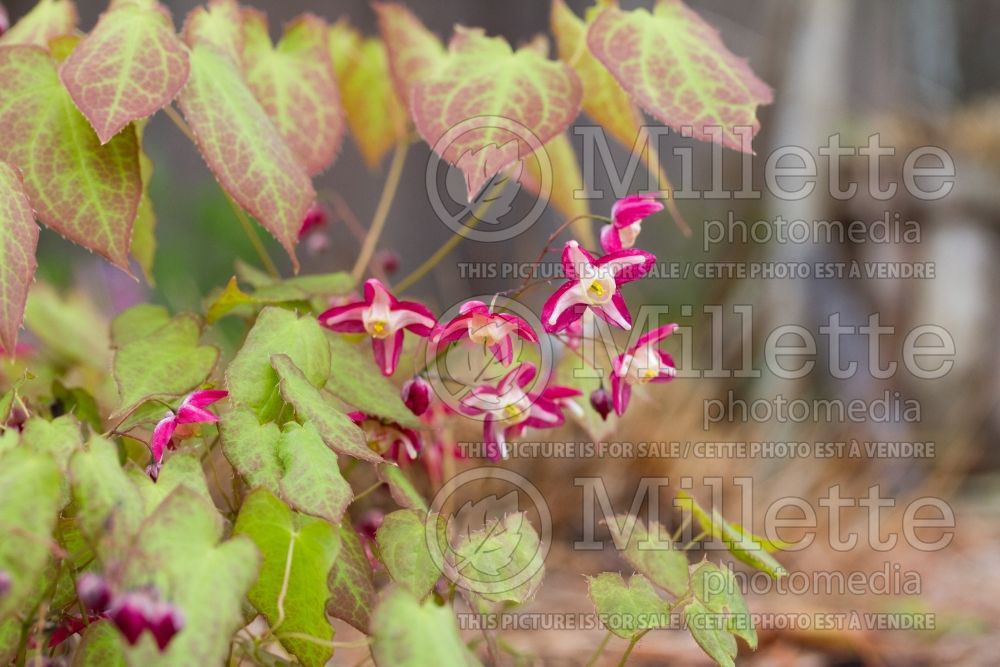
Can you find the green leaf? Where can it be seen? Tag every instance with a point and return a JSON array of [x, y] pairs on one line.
[[719, 591], [49, 316], [250, 378], [48, 19], [413, 50], [356, 380], [501, 562], [178, 470], [709, 86], [78, 402], [18, 240], [298, 552], [627, 609], [137, 322], [292, 462], [352, 589], [110, 507], [483, 76], [236, 138], [29, 502], [219, 24], [402, 546], [740, 543], [337, 430], [708, 629], [655, 557], [102, 646], [295, 84], [143, 229], [58, 438], [407, 633], [291, 292], [87, 192], [130, 66], [10, 639], [179, 551], [166, 363], [400, 487]]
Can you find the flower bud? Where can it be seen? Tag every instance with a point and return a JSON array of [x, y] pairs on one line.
[[600, 400], [416, 395], [4, 20], [314, 219], [165, 620], [93, 591], [387, 260], [129, 613], [5, 583]]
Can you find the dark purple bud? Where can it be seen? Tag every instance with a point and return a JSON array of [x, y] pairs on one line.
[[387, 260], [5, 583], [369, 523], [165, 621], [93, 591], [416, 395], [130, 613], [600, 400]]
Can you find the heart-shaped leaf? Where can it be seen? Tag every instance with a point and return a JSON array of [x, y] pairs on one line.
[[295, 84], [298, 552], [48, 19], [414, 51], [87, 192], [129, 67], [675, 66], [510, 90], [402, 546], [356, 380], [627, 609], [408, 633], [242, 146], [656, 557], [502, 561], [352, 590], [18, 240]]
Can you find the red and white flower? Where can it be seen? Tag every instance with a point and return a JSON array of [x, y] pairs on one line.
[[493, 330], [509, 408], [626, 221], [394, 442], [594, 284], [643, 363], [383, 317], [191, 411]]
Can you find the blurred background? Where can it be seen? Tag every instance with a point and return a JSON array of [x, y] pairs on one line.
[[918, 73]]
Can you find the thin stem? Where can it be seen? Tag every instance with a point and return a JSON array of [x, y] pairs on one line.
[[452, 241], [553, 236], [255, 241], [367, 491], [595, 656], [382, 210], [631, 645], [241, 215]]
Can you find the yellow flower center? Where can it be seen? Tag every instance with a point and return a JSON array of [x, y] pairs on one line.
[[377, 328], [597, 289]]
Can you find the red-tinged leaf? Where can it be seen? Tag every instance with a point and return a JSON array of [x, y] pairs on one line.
[[87, 192], [510, 90], [352, 591], [375, 114], [295, 84], [676, 67], [219, 23], [414, 51], [563, 181], [129, 67], [243, 148], [48, 19], [18, 239]]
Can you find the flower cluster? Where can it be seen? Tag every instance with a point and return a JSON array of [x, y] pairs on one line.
[[191, 411], [520, 399]]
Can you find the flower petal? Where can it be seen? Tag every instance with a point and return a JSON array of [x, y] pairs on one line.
[[576, 261], [634, 208], [610, 240], [655, 336], [628, 265], [346, 319], [162, 433], [387, 352], [565, 306], [413, 316], [615, 312]]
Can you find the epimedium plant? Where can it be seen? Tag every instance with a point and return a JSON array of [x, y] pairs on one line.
[[152, 513]]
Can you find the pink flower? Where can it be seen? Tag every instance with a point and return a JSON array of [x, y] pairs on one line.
[[384, 318], [508, 409], [314, 219], [482, 325], [627, 215], [600, 400], [191, 411], [641, 364], [593, 283], [395, 442], [561, 398]]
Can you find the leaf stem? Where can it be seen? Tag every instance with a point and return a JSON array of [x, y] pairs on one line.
[[631, 645], [382, 210], [451, 243], [241, 215], [599, 651], [367, 491]]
